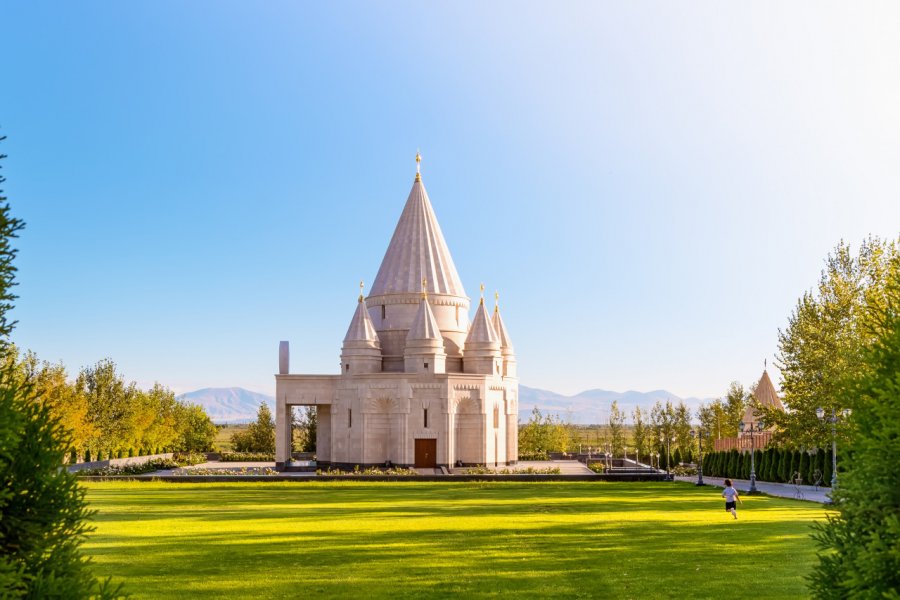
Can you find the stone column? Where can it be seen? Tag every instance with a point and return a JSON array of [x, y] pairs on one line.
[[282, 433]]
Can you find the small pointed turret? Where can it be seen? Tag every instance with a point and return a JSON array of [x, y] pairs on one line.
[[506, 347], [361, 352], [424, 352], [766, 396], [481, 353]]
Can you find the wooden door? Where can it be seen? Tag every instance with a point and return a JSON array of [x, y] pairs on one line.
[[426, 454]]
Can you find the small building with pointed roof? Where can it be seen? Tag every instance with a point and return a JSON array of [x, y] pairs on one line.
[[419, 386]]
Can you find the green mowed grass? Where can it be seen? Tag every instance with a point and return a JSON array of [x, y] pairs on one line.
[[422, 539]]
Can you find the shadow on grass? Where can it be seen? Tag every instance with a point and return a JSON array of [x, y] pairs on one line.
[[532, 540]]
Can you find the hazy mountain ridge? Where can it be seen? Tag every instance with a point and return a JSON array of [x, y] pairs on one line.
[[229, 405], [592, 406], [237, 405]]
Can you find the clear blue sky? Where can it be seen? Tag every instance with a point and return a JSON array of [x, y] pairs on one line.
[[651, 186]]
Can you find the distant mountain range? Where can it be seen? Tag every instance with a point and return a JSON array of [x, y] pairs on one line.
[[592, 406], [237, 405], [229, 405]]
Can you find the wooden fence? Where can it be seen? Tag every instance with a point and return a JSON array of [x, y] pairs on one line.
[[743, 442]]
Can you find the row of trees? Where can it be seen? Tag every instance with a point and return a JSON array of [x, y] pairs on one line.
[[779, 465], [107, 417]]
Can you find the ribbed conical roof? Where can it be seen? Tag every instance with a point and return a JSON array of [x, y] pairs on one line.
[[361, 327], [765, 393], [482, 330], [424, 327], [417, 251], [502, 334]]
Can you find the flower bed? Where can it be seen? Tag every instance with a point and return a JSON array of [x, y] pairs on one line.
[[505, 471], [370, 471], [246, 457], [191, 471]]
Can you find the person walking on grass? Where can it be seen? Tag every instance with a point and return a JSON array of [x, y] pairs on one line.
[[730, 494]]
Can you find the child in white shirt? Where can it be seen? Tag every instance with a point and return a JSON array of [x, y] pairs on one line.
[[730, 494]]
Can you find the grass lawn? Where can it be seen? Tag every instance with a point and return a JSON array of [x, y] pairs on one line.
[[419, 539]]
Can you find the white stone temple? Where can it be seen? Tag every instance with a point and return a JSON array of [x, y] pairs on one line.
[[419, 385]]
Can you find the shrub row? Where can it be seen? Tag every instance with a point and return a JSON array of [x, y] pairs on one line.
[[247, 457], [778, 465], [119, 453]]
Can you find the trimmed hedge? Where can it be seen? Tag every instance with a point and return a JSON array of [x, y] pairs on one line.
[[247, 457], [772, 464]]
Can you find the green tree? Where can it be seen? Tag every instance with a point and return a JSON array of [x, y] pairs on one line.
[[110, 404], [616, 428], [681, 426], [303, 427], [804, 467], [860, 555], [822, 346], [196, 432], [43, 512], [259, 436], [640, 434]]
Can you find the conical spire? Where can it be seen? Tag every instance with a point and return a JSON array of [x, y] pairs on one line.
[[417, 250], [765, 393], [361, 327], [424, 326], [497, 321], [482, 330], [766, 396]]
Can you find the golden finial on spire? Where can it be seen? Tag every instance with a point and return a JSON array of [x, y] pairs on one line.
[[361, 286], [418, 164], [496, 301], [424, 288], [482, 293]]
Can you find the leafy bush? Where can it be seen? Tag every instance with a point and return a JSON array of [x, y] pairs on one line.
[[534, 456], [684, 470], [186, 459], [247, 457], [157, 464]]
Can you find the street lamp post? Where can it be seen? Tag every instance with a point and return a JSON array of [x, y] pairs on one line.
[[820, 413], [754, 428], [699, 433]]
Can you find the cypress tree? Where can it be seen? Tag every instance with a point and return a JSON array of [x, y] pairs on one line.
[[826, 472], [804, 467], [778, 475], [676, 457]]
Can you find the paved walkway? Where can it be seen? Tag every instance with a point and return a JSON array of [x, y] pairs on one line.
[[783, 490]]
